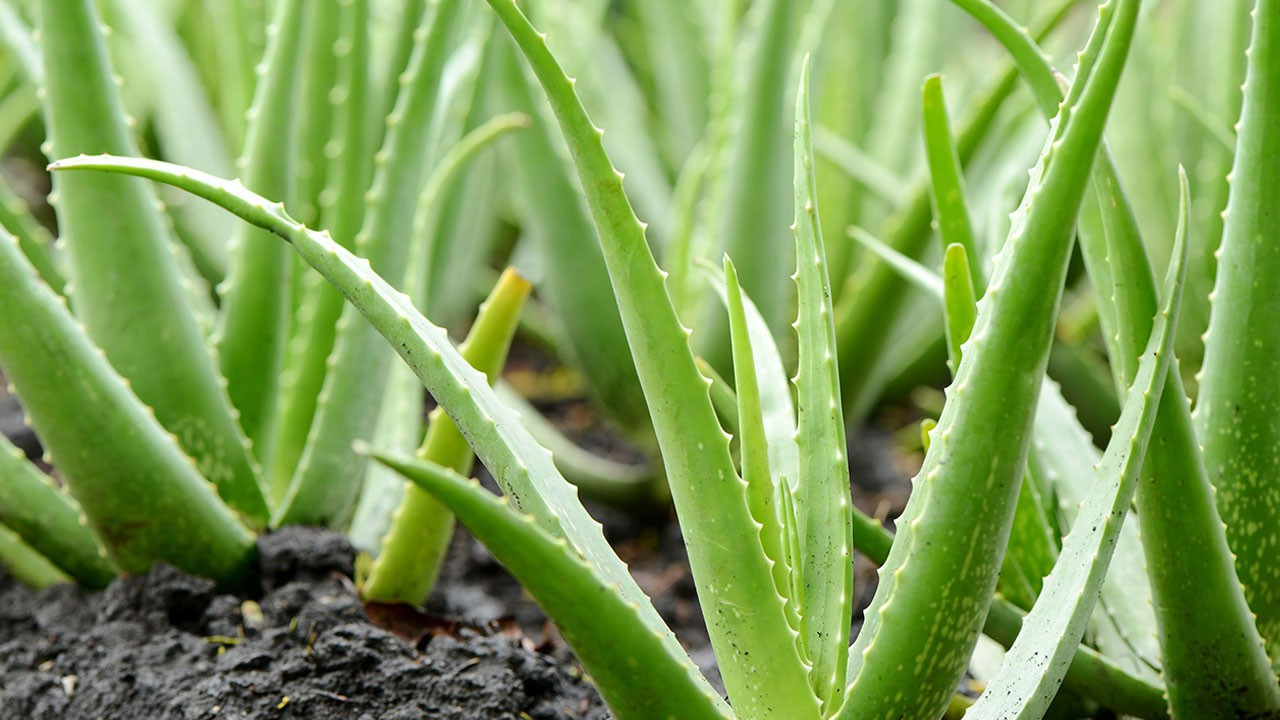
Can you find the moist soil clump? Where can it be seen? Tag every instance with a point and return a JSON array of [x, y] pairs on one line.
[[170, 646]]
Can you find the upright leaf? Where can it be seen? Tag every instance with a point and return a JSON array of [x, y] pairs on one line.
[[1238, 409], [255, 297], [126, 286], [823, 510], [946, 557], [1035, 666]]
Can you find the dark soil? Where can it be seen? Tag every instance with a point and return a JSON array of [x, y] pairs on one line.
[[169, 646]]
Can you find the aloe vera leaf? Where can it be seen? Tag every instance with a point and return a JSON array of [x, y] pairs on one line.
[[48, 520], [1183, 537], [523, 468], [326, 484], [143, 497], [777, 408], [407, 21], [946, 554], [250, 335], [1237, 414], [1031, 547], [723, 399], [746, 211], [1091, 674], [578, 288], [700, 470], [409, 562], [681, 74], [27, 565], [598, 623], [313, 125], [874, 297], [959, 300], [237, 56], [126, 286], [860, 165], [34, 240], [823, 509], [16, 36], [1125, 622], [1035, 665], [754, 445], [342, 208], [187, 126], [946, 177]]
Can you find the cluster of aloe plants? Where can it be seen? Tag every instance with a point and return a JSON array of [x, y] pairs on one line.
[[1018, 527]]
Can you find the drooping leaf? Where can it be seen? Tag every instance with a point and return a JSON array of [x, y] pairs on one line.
[[597, 621]]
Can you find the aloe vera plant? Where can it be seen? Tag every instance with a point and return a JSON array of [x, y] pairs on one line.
[[219, 411], [1017, 527]]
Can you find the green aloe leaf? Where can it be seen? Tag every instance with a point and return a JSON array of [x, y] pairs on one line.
[[49, 520], [126, 286], [946, 178], [776, 405], [597, 621], [762, 489], [186, 125], [1090, 674], [1036, 664], [824, 507], [143, 497], [523, 468], [746, 210], [250, 336], [947, 553], [1238, 411], [25, 564]]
